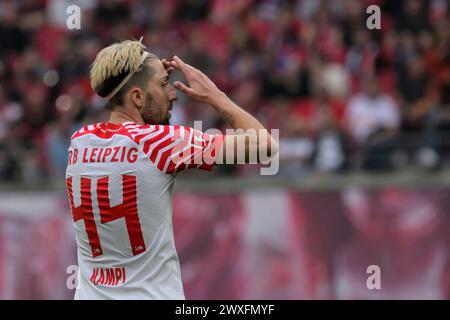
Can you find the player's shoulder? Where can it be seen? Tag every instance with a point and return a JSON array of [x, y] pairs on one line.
[[149, 127], [84, 130], [104, 130], [155, 131]]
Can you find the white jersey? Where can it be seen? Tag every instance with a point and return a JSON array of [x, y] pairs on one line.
[[120, 179]]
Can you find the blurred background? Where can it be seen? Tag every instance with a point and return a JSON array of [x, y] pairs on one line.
[[364, 120]]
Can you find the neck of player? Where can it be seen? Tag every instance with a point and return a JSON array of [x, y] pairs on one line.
[[121, 115]]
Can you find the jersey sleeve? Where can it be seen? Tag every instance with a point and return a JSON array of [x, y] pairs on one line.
[[176, 148]]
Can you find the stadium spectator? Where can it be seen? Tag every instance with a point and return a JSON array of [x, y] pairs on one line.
[[373, 119], [258, 51]]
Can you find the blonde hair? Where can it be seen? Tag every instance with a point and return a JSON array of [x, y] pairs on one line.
[[119, 59]]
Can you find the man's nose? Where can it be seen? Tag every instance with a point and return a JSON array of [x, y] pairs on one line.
[[172, 94]]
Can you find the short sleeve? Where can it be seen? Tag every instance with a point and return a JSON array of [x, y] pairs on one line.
[[178, 148]]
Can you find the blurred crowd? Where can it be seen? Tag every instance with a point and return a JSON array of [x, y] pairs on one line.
[[343, 96]]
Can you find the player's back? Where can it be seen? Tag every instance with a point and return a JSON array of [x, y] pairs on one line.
[[122, 210]]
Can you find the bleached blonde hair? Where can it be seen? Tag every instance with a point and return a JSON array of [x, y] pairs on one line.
[[118, 59]]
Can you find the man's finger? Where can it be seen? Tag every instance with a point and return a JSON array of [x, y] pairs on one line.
[[186, 71], [166, 63], [176, 64], [183, 66], [178, 60], [186, 65], [183, 88]]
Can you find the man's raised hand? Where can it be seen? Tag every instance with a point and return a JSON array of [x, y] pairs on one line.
[[200, 88]]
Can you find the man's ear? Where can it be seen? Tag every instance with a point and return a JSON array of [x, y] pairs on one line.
[[137, 96]]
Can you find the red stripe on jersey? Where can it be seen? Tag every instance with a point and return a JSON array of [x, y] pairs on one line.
[[164, 155], [163, 134], [139, 136]]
